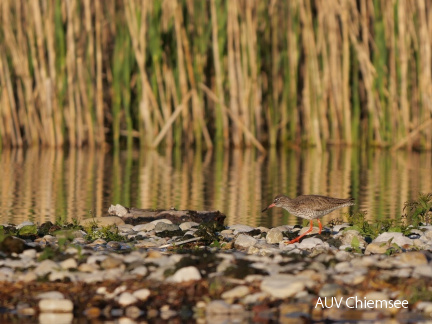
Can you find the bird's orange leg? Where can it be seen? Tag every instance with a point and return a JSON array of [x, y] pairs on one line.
[[320, 226], [298, 238]]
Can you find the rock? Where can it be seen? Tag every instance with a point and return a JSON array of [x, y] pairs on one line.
[[255, 298], [424, 270], [244, 241], [274, 236], [237, 292], [282, 286], [311, 242], [330, 290], [111, 262], [126, 299], [140, 271], [142, 294], [55, 318], [161, 227], [338, 228], [45, 267], [185, 274], [410, 259], [376, 248], [425, 307], [157, 221], [117, 210], [144, 227], [218, 307], [92, 312], [103, 221], [55, 305], [69, 264], [26, 223], [315, 230], [50, 295], [132, 312], [396, 237], [241, 228], [31, 253], [187, 225], [347, 237]]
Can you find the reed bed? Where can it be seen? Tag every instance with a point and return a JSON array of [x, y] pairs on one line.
[[204, 73]]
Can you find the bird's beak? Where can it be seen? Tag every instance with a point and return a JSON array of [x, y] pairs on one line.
[[270, 206]]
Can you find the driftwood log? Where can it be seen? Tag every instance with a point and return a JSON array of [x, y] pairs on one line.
[[139, 216]]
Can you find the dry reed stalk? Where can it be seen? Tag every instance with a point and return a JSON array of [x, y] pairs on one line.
[[232, 76], [182, 77], [311, 78], [99, 66], [403, 65], [138, 30], [221, 117], [235, 119]]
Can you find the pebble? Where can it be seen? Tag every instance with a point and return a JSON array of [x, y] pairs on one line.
[[50, 295], [26, 223], [237, 292], [142, 294], [282, 286], [45, 267], [187, 225], [69, 264], [126, 299], [244, 241], [274, 236], [55, 305], [395, 237], [166, 221], [185, 274], [257, 269], [241, 228], [161, 227], [144, 227]]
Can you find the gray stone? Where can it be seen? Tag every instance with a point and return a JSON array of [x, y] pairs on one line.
[[244, 241], [218, 307], [117, 210], [144, 227], [161, 227], [45, 267], [423, 270], [311, 242], [237, 292], [111, 262], [396, 237], [347, 237], [282, 286], [166, 221], [55, 305], [241, 228], [185, 274], [187, 225], [338, 228], [274, 236], [140, 271]]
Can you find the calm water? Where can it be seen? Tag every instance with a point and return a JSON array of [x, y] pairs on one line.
[[42, 185]]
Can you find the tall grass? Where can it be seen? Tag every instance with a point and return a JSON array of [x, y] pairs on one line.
[[218, 72]]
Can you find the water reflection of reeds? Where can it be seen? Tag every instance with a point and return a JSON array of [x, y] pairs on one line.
[[55, 185]]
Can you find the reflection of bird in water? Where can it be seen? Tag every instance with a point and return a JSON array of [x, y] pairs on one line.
[[309, 207]]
